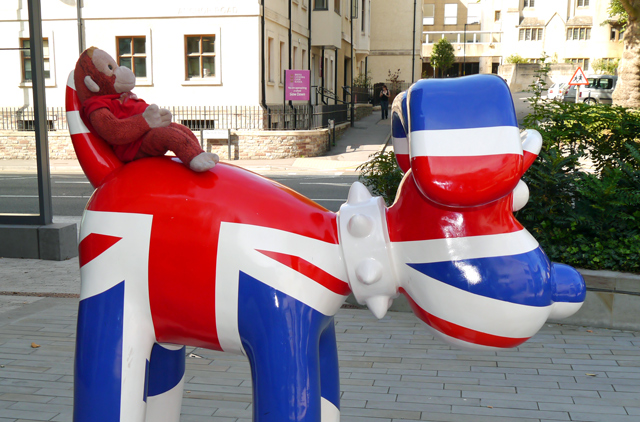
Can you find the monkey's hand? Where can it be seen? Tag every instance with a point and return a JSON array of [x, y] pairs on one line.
[[156, 116]]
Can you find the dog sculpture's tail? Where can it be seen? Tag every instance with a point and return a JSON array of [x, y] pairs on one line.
[[95, 156]]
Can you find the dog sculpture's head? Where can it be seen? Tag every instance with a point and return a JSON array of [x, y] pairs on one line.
[[463, 162]]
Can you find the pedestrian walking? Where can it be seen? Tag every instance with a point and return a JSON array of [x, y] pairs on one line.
[[384, 102]]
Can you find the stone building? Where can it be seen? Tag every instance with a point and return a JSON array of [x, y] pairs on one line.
[[566, 31]]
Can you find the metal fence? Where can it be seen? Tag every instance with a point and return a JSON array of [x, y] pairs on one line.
[[275, 117], [22, 118]]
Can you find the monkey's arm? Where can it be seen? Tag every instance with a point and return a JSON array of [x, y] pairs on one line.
[[118, 131]]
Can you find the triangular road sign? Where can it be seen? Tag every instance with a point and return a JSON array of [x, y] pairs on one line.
[[579, 78]]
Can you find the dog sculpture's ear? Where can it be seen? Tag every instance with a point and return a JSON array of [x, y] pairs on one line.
[[399, 131], [464, 143]]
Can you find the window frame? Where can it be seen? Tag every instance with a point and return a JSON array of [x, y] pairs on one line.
[[320, 4], [448, 16], [48, 81], [428, 19], [585, 3], [578, 33], [476, 16], [283, 65], [531, 34], [337, 7], [216, 79], [133, 54], [529, 4]]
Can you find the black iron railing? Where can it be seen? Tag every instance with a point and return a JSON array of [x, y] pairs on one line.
[[275, 117]]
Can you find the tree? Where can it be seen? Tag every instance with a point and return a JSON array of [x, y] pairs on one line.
[[442, 56], [607, 67], [515, 59], [627, 93]]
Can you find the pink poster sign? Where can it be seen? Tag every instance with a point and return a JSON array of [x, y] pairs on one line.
[[297, 85]]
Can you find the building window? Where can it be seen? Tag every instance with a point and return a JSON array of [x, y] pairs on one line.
[[579, 33], [583, 3], [25, 58], [473, 13], [529, 3], [616, 34], [321, 4], [336, 6], [450, 14], [362, 19], [270, 60], [201, 56], [132, 54], [496, 16], [530, 34], [428, 13], [304, 59], [582, 62], [283, 66], [294, 58]]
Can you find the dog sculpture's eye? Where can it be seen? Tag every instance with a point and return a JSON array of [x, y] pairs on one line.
[[110, 67]]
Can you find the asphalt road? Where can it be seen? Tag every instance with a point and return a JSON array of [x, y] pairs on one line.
[[70, 193]]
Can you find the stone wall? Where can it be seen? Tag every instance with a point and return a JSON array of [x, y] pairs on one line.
[[520, 76], [246, 144], [363, 110], [22, 145], [269, 145]]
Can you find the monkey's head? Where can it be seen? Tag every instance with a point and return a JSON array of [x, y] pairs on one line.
[[97, 73]]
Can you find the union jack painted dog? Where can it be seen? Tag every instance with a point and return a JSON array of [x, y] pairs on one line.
[[229, 260]]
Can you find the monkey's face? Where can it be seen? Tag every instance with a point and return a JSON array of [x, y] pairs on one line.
[[101, 75], [123, 79]]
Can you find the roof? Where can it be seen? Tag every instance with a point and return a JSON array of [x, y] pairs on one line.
[[580, 21], [532, 22]]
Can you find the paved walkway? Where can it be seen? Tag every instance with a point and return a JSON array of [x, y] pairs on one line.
[[391, 370]]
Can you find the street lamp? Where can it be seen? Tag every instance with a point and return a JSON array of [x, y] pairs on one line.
[[464, 48]]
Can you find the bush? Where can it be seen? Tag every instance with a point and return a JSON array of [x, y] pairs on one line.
[[381, 175], [584, 204]]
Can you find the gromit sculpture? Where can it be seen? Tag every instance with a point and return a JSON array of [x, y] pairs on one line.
[[228, 260]]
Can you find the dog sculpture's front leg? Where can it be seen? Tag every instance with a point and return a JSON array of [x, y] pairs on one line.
[[115, 331], [281, 337]]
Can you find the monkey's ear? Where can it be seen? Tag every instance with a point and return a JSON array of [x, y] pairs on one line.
[[89, 83]]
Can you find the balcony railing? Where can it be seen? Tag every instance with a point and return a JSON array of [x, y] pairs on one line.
[[457, 37]]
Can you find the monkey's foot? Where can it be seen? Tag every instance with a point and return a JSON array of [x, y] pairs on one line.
[[204, 161]]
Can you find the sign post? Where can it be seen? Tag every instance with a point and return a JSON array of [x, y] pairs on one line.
[[578, 79]]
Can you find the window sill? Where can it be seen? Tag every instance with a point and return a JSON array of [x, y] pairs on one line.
[[202, 82], [271, 83], [144, 82], [48, 83]]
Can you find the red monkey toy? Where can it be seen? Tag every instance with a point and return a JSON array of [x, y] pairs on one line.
[[133, 128]]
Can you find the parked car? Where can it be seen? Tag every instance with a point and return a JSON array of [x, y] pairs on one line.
[[557, 90], [599, 90]]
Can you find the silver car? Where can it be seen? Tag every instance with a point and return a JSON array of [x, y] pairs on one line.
[[599, 90], [557, 90]]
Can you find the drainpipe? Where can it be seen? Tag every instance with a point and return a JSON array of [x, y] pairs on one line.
[[290, 48], [324, 70], [79, 5], [352, 60], [309, 60], [335, 76], [263, 88], [413, 48]]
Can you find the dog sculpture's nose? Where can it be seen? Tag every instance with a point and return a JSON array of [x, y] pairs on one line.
[[568, 291]]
